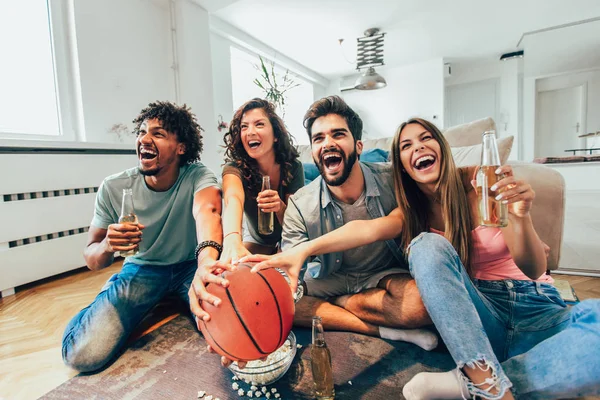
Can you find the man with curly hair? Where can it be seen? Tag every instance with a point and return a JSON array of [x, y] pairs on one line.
[[178, 205]]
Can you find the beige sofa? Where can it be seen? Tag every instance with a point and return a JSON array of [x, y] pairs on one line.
[[549, 205]]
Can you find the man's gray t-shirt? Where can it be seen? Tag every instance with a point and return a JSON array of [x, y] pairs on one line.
[[169, 236], [371, 258]]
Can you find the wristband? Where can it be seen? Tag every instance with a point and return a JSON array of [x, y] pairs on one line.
[[208, 243]]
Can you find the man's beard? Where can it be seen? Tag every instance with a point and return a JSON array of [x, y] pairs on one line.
[[149, 172], [348, 164]]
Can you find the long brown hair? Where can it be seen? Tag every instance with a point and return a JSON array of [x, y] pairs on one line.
[[415, 206], [285, 152]]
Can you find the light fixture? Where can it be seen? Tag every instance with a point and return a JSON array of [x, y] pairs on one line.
[[370, 80], [514, 54], [369, 54]]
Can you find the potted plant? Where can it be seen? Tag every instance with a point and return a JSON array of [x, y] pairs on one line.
[[274, 86]]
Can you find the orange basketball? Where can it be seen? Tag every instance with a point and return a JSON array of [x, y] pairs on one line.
[[255, 315]]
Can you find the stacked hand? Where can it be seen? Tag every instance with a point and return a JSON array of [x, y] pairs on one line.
[[123, 237]]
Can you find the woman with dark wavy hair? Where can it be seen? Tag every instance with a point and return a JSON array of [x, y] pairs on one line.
[[257, 144]]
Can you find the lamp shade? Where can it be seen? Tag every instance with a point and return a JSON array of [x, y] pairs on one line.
[[370, 80]]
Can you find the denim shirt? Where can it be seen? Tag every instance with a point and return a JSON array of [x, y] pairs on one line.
[[311, 213]]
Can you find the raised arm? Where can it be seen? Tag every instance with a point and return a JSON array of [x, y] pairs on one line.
[[233, 214], [353, 234], [522, 240]]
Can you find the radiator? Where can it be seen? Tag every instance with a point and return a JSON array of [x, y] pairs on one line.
[[46, 205]]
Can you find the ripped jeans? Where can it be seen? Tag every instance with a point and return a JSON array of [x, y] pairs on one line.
[[98, 332], [534, 343]]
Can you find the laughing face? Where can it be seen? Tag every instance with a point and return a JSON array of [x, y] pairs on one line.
[[334, 149], [257, 133], [157, 149], [420, 154]]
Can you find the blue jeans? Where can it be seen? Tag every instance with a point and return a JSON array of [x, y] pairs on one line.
[[532, 340], [97, 333]]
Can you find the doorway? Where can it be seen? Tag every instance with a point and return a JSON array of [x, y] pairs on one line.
[[560, 120]]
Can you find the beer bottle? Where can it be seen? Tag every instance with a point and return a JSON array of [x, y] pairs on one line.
[[320, 362], [266, 220], [492, 212], [128, 217]]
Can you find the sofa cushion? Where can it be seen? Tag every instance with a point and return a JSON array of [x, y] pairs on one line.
[[310, 172], [468, 134], [471, 155]]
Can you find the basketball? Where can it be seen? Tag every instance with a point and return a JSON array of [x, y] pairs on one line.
[[255, 315]]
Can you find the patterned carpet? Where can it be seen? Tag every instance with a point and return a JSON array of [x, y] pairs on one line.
[[171, 363]]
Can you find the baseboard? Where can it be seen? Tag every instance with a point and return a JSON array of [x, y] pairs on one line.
[[577, 272]]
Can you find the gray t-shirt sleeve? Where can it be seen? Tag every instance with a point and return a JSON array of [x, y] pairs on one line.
[[204, 178], [294, 231], [104, 213]]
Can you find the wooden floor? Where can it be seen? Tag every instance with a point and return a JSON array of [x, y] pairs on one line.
[[32, 322]]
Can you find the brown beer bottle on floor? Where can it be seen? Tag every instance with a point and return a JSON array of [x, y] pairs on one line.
[[492, 212], [320, 362]]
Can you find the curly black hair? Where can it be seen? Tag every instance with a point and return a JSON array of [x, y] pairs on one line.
[[178, 120], [285, 151]]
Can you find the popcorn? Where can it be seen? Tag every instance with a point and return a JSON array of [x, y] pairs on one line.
[[277, 395], [268, 395], [273, 390], [235, 378], [201, 394], [249, 393], [298, 346], [235, 386], [253, 388], [258, 393], [263, 389], [241, 392], [350, 383], [209, 397]]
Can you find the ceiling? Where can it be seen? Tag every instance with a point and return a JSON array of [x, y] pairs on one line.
[[416, 30]]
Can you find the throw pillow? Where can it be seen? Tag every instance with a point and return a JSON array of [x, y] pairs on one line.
[[471, 155], [375, 155], [310, 172]]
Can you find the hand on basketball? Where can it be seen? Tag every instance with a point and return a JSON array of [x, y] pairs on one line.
[[233, 249], [269, 201], [208, 271], [123, 237], [518, 194], [226, 362], [290, 260]]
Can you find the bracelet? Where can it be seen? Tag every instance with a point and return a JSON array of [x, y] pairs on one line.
[[230, 233], [208, 243]]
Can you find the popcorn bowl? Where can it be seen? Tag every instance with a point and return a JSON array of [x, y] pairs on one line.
[[272, 369]]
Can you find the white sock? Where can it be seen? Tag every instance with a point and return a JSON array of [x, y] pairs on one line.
[[421, 337], [436, 385]]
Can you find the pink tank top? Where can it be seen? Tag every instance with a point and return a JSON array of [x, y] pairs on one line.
[[491, 259]]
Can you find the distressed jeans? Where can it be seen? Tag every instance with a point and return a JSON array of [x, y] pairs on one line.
[[522, 329], [97, 333]]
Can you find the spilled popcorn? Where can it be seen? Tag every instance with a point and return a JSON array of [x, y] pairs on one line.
[[262, 371]]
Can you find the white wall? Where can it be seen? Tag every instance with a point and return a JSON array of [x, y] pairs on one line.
[[509, 91], [563, 52], [224, 36], [125, 62], [415, 90]]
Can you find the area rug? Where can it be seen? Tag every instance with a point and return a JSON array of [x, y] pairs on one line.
[[171, 362]]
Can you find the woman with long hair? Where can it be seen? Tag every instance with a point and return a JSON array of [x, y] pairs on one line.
[[256, 145], [485, 288]]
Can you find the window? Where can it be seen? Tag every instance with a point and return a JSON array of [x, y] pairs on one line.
[[28, 100], [243, 73]]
